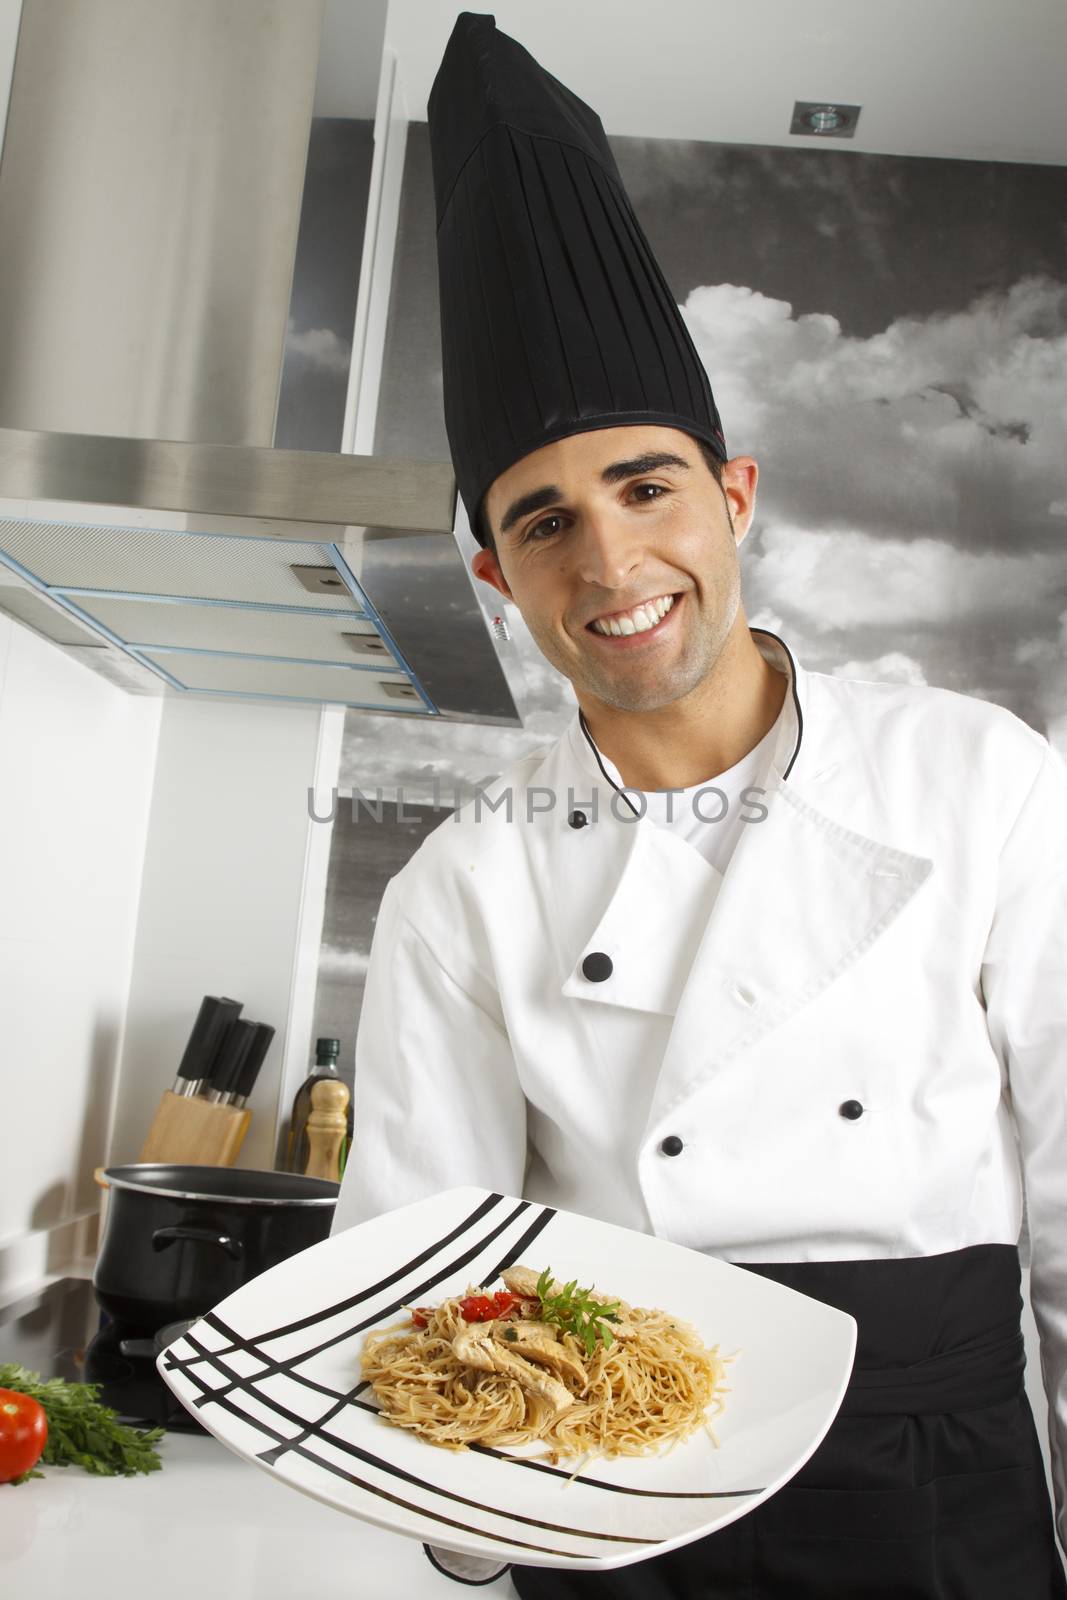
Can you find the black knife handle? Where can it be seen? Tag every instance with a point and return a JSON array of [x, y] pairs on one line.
[[225, 1069], [257, 1049], [166, 1236], [213, 1021]]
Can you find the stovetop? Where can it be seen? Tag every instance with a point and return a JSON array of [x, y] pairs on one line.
[[61, 1332]]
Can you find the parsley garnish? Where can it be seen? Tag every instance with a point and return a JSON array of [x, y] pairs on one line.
[[82, 1431], [575, 1311]]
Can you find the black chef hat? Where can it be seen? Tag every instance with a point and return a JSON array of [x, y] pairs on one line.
[[555, 317]]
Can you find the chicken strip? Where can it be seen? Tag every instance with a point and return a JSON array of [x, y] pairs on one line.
[[521, 1280], [475, 1347], [539, 1341]]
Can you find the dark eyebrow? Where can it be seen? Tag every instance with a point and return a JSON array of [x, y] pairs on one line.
[[646, 463], [537, 499]]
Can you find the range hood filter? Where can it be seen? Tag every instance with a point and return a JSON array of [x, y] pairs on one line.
[[216, 614]]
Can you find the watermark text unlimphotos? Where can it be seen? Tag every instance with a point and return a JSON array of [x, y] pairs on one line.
[[707, 804]]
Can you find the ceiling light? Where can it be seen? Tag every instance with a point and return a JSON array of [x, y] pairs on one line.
[[824, 119]]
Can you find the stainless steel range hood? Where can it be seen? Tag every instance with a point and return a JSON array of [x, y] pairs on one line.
[[234, 570], [150, 195]]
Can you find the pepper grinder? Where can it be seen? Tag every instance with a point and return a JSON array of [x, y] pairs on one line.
[[326, 1128]]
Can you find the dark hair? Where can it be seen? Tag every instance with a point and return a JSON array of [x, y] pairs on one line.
[[484, 534]]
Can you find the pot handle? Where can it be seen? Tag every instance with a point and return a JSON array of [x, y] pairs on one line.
[[166, 1236], [138, 1347]]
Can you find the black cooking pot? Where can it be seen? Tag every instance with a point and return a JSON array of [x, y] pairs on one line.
[[180, 1239]]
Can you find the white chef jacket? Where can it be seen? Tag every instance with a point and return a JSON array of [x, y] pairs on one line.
[[709, 815], [893, 932]]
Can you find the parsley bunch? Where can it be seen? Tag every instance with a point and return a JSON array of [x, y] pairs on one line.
[[575, 1311], [83, 1431]]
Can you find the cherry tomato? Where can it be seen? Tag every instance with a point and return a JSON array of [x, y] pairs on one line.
[[485, 1307], [420, 1315], [23, 1433]]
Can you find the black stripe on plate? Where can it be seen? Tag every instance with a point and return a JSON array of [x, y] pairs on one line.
[[285, 1364], [536, 1227], [507, 1261], [487, 1205], [547, 1213], [614, 1488], [590, 1483], [341, 1444]]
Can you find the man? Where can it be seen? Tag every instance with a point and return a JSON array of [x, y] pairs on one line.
[[602, 522], [826, 1040]]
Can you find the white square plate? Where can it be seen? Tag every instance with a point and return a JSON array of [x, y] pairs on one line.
[[274, 1373]]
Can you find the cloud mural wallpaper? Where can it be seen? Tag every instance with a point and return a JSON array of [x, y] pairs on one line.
[[888, 337]]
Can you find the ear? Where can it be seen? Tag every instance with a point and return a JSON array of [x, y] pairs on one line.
[[485, 565], [739, 478]]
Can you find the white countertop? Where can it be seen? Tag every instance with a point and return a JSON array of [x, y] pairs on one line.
[[208, 1524]]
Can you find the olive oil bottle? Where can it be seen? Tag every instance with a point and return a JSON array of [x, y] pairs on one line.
[[298, 1150]]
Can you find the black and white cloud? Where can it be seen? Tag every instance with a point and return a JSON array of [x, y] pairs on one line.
[[913, 497], [951, 426]]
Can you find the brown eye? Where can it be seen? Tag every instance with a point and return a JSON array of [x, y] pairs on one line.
[[533, 533]]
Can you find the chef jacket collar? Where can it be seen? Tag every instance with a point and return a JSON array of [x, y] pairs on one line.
[[729, 956], [790, 731]]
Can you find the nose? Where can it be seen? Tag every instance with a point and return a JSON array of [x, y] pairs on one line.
[[608, 549]]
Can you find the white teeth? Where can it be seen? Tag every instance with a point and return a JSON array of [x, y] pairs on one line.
[[639, 620]]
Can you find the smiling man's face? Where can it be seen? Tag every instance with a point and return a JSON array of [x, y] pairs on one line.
[[601, 521]]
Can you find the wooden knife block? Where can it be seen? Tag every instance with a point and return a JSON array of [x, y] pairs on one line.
[[189, 1131]]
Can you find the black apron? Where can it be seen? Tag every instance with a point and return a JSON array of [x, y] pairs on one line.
[[929, 1484]]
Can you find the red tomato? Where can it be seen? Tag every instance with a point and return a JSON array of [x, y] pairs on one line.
[[485, 1307], [421, 1315], [23, 1433]]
